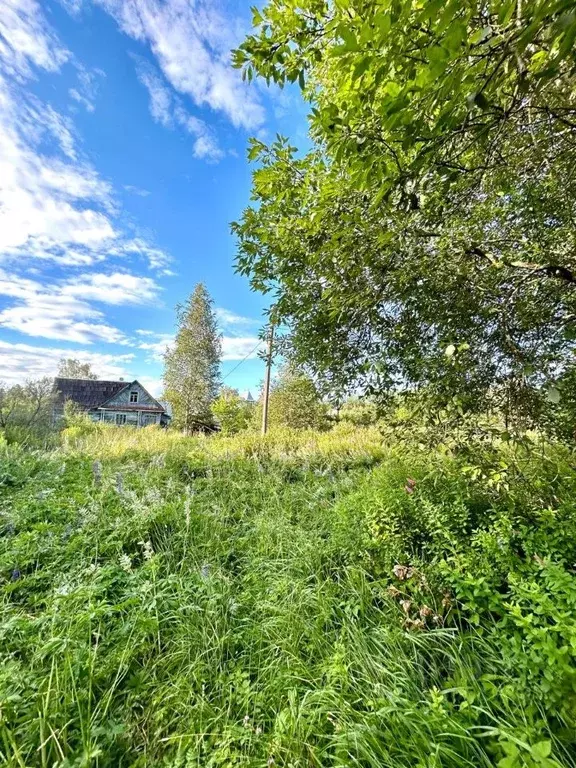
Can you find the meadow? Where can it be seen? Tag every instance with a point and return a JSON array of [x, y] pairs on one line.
[[304, 599]]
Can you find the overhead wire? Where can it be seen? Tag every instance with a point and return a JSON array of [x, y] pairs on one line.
[[243, 360]]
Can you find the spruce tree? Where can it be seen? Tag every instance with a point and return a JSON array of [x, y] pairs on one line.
[[192, 364]]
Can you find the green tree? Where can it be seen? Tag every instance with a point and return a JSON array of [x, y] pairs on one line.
[[295, 401], [358, 411], [26, 409], [71, 368], [232, 412], [192, 364], [427, 240]]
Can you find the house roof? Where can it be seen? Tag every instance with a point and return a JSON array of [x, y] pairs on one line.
[[94, 393], [88, 393]]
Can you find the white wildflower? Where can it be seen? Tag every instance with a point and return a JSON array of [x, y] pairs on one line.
[[125, 562]]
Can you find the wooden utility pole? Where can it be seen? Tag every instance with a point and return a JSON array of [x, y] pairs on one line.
[[267, 382]]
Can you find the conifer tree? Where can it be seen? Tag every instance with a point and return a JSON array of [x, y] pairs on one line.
[[192, 364]]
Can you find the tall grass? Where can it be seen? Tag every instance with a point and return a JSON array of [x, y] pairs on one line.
[[233, 602]]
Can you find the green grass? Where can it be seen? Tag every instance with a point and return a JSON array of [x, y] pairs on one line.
[[233, 602]]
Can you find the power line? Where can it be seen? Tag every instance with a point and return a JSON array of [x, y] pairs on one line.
[[242, 361]]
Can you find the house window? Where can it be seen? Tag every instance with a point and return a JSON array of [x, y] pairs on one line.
[[120, 418], [133, 397]]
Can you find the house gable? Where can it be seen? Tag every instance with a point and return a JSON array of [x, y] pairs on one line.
[[124, 399]]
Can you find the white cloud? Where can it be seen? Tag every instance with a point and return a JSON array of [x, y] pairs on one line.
[[87, 88], [227, 319], [44, 201], [239, 347], [152, 384], [191, 42], [136, 190], [155, 344], [47, 320], [233, 347], [26, 38], [53, 204], [156, 258], [160, 96], [115, 288], [61, 311], [167, 110], [19, 362]]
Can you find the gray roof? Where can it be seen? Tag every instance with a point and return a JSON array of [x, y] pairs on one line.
[[87, 393]]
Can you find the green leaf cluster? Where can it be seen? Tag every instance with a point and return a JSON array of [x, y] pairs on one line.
[[427, 239]]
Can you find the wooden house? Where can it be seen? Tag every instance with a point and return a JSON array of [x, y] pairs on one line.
[[114, 402]]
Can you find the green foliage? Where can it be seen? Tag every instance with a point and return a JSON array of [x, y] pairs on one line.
[[78, 424], [295, 401], [231, 412], [426, 241], [192, 364], [303, 599], [26, 410], [360, 412], [72, 368]]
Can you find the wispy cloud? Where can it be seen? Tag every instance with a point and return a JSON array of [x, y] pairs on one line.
[[228, 320], [27, 39], [86, 89], [62, 311], [53, 204], [240, 347], [167, 110], [19, 362], [154, 344], [234, 347], [116, 288], [136, 190], [191, 42]]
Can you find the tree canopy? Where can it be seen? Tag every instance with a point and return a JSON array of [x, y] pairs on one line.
[[294, 401], [71, 368], [231, 411], [427, 239], [192, 364]]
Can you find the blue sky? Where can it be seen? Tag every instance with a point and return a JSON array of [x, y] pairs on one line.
[[123, 135]]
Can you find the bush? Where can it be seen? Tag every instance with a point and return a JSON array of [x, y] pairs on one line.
[[294, 402], [232, 413], [361, 413]]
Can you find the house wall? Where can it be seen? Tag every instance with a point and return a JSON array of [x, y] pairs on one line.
[[123, 397], [131, 417]]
